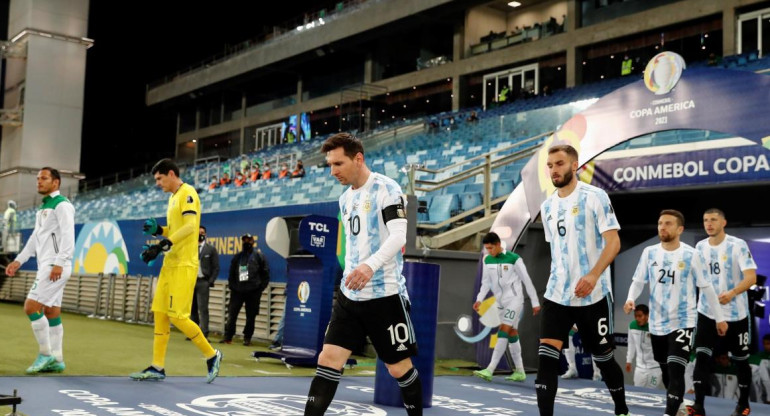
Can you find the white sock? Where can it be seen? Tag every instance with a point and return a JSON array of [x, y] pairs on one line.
[[40, 328], [57, 335], [597, 372], [569, 354], [515, 349], [497, 354]]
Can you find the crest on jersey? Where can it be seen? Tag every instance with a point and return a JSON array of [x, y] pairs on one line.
[[189, 199], [575, 210], [270, 405], [724, 257], [505, 267], [367, 206], [681, 265]]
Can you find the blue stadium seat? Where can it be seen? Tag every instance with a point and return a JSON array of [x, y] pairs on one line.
[[470, 200], [442, 207], [502, 187]]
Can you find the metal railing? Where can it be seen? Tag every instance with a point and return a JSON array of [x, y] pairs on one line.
[[482, 165]]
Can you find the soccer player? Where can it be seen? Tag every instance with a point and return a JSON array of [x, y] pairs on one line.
[[732, 271], [373, 300], [52, 242], [647, 373], [504, 273], [675, 272], [579, 222], [176, 283]]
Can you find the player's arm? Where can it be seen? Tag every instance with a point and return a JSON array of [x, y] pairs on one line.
[[486, 283], [703, 282], [521, 269], [631, 354], [188, 227], [65, 213], [638, 281], [749, 270]]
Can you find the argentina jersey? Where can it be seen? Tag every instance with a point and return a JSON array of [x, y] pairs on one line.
[[365, 232], [674, 277], [725, 264], [574, 227]]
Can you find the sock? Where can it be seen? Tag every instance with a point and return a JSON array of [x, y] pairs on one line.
[[160, 340], [497, 353], [322, 390], [40, 329], [664, 373], [744, 379], [547, 378], [700, 376], [56, 335], [191, 330], [675, 390], [569, 354], [612, 375], [411, 392], [514, 346], [596, 368]]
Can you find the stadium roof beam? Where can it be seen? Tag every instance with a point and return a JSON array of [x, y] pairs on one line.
[[15, 47]]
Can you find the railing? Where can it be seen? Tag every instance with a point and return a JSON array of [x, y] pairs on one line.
[[129, 299], [489, 163]]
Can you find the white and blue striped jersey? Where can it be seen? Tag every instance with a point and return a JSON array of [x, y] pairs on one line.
[[574, 227], [725, 263], [365, 232], [674, 277]]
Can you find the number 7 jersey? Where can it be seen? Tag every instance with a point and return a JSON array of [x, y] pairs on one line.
[[674, 277]]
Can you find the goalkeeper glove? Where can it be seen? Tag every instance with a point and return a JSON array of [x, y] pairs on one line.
[[151, 227], [151, 252]]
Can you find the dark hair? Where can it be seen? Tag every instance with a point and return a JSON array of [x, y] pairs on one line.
[[164, 166], [569, 150], [54, 173], [642, 308], [715, 211], [347, 141], [204, 229], [674, 213], [491, 238]]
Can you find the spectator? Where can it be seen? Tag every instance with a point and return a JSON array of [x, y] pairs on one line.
[[248, 277], [284, 172], [267, 174], [239, 180], [473, 118], [214, 183], [208, 270], [9, 225], [724, 382], [255, 174], [760, 371], [244, 163], [225, 179], [299, 170]]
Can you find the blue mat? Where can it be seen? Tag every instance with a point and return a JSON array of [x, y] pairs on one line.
[[82, 396]]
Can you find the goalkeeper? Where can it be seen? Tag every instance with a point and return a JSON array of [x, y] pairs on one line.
[[176, 284]]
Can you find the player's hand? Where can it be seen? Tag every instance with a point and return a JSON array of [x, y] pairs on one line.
[[726, 297], [585, 285], [56, 273], [628, 306], [628, 367], [150, 253], [11, 269], [151, 227], [476, 306], [535, 310], [722, 328], [359, 277]]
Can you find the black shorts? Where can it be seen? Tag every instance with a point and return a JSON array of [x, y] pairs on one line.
[[385, 321], [675, 344], [737, 341], [594, 324]]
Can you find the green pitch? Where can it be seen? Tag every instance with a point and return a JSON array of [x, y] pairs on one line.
[[95, 347]]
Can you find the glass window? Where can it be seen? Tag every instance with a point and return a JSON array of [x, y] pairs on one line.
[[765, 46], [749, 35]]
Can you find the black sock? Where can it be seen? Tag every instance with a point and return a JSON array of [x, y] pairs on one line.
[[411, 392], [700, 376], [675, 391], [547, 378], [322, 390], [613, 379], [744, 380]]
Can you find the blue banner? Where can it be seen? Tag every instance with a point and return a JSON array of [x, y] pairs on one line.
[[110, 246], [320, 236], [673, 169]]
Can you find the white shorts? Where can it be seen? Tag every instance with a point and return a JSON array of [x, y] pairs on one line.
[[45, 291], [652, 378], [510, 313]]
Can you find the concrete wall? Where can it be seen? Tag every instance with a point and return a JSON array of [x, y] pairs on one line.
[[537, 14], [479, 21]]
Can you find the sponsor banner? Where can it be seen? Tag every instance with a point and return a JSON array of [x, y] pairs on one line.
[[704, 167], [110, 246]]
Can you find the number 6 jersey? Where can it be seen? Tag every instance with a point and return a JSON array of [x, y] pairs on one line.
[[574, 227], [674, 277]]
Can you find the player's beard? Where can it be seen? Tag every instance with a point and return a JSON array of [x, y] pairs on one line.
[[666, 238], [566, 179]]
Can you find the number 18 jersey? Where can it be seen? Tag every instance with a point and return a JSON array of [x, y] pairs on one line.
[[574, 227], [725, 263], [674, 277]]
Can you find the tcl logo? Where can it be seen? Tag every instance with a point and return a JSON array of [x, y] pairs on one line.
[[318, 226]]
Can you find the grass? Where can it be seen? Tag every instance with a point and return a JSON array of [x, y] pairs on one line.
[[95, 347]]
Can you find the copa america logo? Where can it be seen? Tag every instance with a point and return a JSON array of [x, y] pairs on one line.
[[303, 291], [663, 72], [271, 405]]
